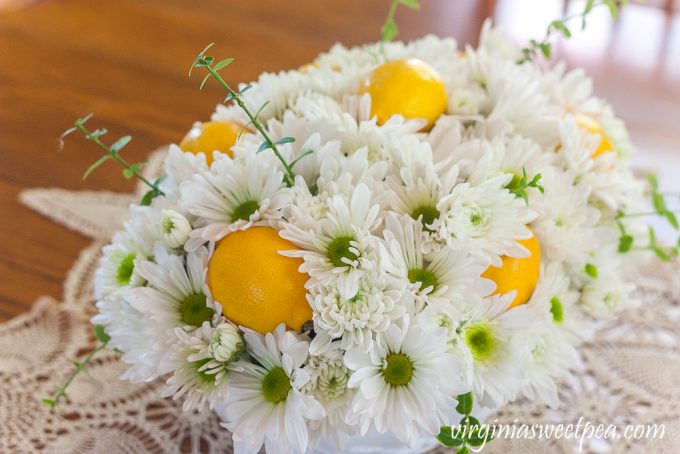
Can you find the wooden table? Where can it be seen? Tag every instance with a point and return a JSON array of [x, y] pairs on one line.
[[127, 61]]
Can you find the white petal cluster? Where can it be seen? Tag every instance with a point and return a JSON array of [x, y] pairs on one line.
[[394, 227]]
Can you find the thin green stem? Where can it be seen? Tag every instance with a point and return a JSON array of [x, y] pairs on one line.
[[290, 175], [114, 155], [637, 215], [80, 366]]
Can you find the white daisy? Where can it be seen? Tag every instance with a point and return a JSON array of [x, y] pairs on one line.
[[437, 277], [118, 267], [200, 375], [407, 383], [338, 248], [265, 404], [551, 358], [180, 166], [176, 295], [492, 343], [565, 221], [233, 195]]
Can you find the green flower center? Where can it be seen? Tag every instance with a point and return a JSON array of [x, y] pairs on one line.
[[339, 248], [481, 341], [399, 369], [557, 310], [244, 211], [193, 310], [425, 277], [202, 375], [125, 269], [429, 215], [168, 225], [276, 385]]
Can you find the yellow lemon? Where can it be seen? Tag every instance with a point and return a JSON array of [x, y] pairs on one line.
[[588, 123], [519, 274], [210, 136], [410, 88], [256, 286]]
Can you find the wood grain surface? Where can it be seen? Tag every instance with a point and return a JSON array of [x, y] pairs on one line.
[[127, 61]]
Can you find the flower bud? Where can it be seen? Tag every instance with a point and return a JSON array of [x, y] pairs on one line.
[[227, 343], [175, 229]]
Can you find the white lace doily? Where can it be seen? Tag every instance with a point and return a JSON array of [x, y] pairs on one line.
[[630, 373]]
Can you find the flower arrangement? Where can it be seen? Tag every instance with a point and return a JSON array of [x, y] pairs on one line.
[[371, 239]]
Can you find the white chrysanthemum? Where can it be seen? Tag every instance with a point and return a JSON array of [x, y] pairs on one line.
[[407, 382], [565, 220], [557, 299], [328, 385], [607, 294], [199, 375], [435, 277], [176, 295], [486, 217], [379, 302], [233, 195], [336, 251], [265, 404], [178, 167], [551, 357], [492, 344], [126, 326]]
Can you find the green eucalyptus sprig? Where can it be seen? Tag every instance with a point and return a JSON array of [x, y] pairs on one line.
[[206, 61], [80, 366], [658, 199], [562, 26], [468, 433], [519, 185], [389, 29], [113, 154]]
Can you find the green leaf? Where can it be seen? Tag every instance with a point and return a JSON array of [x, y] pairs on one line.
[[625, 243], [463, 450], [652, 236], [285, 140], [203, 82], [653, 181], [51, 402], [149, 196], [590, 4], [245, 89], [96, 164], [661, 254], [96, 133], [263, 146], [134, 169], [561, 27], [465, 403], [659, 203], [545, 50], [81, 121], [223, 63], [101, 334], [591, 270], [413, 4], [120, 143], [672, 220], [389, 30], [446, 437], [613, 8]]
